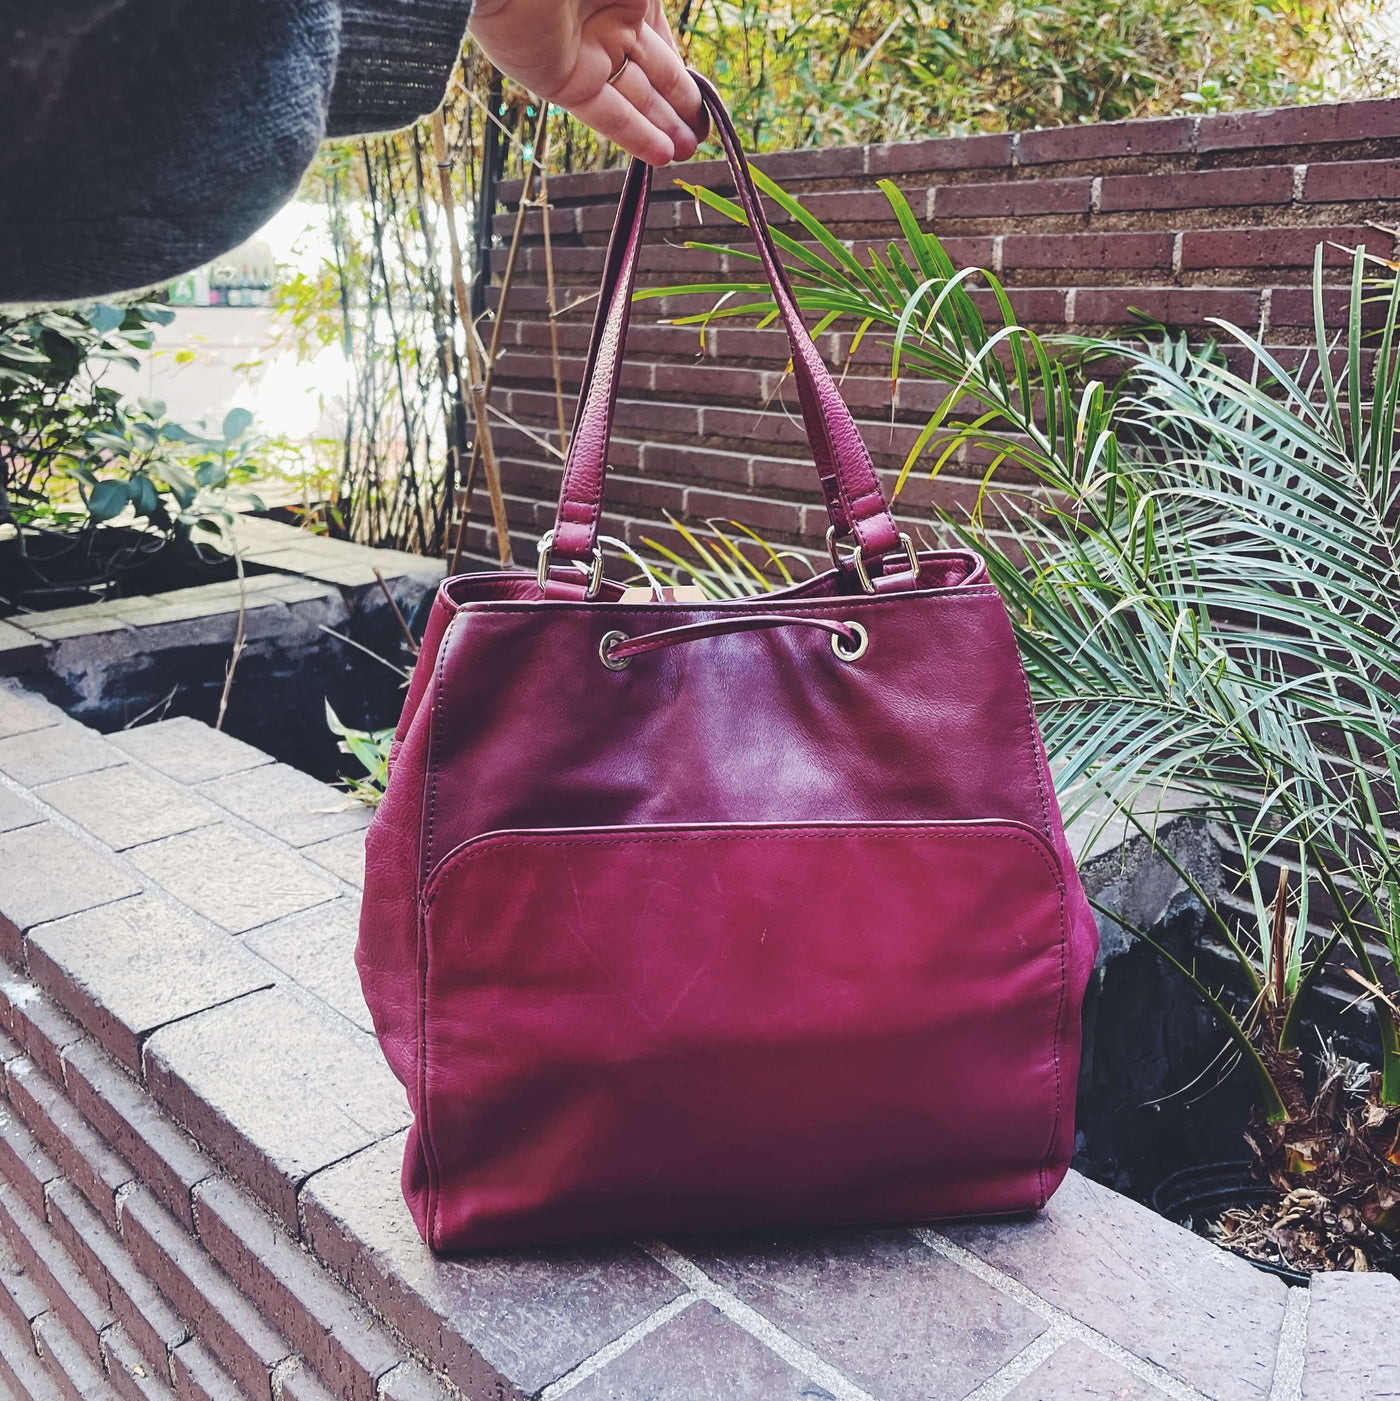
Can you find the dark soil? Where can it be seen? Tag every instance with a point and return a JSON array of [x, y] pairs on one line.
[[66, 569]]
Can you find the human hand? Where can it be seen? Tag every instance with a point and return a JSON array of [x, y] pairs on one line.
[[565, 51]]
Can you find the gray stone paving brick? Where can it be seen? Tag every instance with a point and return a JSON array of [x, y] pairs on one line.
[[316, 949], [78, 1149], [84, 628], [59, 751], [101, 611], [302, 1384], [521, 1319], [72, 1366], [230, 879], [335, 1334], [289, 804], [149, 1322], [21, 1298], [23, 1162], [125, 806], [308, 1089], [127, 968], [218, 1314], [217, 602], [79, 1230], [22, 712], [43, 1029], [198, 1376], [410, 1382], [294, 590], [857, 1298], [699, 1353], [84, 1311], [313, 564], [22, 1371], [20, 651], [343, 856], [188, 750], [132, 1376], [1075, 1372], [395, 565], [16, 812], [163, 1156], [1166, 1295], [49, 874], [1353, 1345]]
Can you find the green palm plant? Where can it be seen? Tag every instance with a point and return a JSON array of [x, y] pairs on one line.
[[1222, 615], [1205, 580], [1002, 379], [713, 561]]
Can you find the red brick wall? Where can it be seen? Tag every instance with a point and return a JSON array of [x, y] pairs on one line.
[[1183, 218]]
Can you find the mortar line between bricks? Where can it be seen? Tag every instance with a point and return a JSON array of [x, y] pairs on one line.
[[600, 1359], [250, 829], [289, 1366], [128, 867], [1140, 1367], [145, 1036], [298, 1188], [156, 891], [232, 819], [1292, 1346], [1016, 1369], [795, 1354]]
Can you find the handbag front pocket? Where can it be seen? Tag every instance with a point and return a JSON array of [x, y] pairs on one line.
[[707, 1027]]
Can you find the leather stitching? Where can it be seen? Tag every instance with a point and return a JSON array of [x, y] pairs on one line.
[[424, 874], [486, 844], [978, 593], [1033, 743], [483, 846], [1055, 1051], [835, 445]]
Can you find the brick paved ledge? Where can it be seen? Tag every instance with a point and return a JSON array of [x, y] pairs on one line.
[[199, 1151], [290, 571], [308, 605]]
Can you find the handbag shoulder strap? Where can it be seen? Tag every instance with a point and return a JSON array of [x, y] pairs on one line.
[[855, 502]]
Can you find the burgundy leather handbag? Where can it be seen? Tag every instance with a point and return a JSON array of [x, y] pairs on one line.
[[707, 915]]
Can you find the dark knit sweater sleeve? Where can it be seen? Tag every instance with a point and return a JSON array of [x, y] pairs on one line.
[[142, 138], [395, 60]]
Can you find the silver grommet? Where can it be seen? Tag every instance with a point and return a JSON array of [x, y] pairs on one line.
[[847, 651], [610, 640]]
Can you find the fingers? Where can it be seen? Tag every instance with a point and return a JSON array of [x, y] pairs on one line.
[[646, 82], [637, 111], [656, 17], [611, 115], [660, 60]]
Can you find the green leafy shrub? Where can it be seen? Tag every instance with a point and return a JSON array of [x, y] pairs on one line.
[[93, 485], [1205, 582], [370, 751], [877, 70]]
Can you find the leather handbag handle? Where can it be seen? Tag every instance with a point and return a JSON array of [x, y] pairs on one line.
[[855, 502]]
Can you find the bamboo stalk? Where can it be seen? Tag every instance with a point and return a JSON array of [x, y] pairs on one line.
[[240, 634], [474, 365], [412, 499], [552, 309], [398, 613], [537, 157], [449, 363]]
